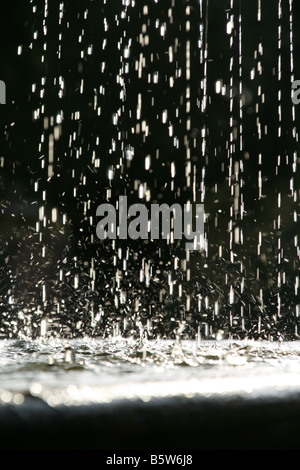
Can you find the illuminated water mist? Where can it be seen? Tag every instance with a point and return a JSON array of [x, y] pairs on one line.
[[164, 102]]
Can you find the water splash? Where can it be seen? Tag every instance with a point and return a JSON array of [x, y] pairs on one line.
[[106, 371], [163, 102]]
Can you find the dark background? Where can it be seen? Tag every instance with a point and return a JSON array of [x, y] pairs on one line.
[[71, 248]]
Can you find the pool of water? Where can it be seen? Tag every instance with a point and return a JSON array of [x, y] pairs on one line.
[[97, 371]]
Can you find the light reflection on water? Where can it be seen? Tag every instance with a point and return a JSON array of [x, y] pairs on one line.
[[80, 372]]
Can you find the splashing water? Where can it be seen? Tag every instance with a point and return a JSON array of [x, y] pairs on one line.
[[163, 102], [101, 372]]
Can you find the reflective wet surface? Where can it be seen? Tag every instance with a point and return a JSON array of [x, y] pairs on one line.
[[81, 372]]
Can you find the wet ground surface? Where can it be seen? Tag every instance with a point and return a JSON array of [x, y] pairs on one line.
[[119, 394], [80, 372]]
